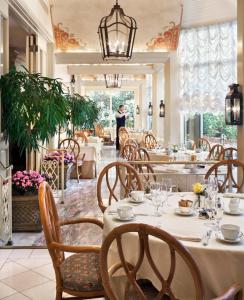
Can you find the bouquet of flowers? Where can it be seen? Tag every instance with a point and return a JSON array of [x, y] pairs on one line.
[[57, 155], [199, 188], [26, 181]]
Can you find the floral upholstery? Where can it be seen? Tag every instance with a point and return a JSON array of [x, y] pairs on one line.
[[81, 272]]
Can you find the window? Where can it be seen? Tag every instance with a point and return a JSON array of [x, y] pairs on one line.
[[207, 58]]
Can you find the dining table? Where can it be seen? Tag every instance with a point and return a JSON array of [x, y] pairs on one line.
[[221, 263]]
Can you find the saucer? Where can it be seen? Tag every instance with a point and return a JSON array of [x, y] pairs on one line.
[[117, 217], [136, 201], [220, 237], [233, 213], [179, 212]]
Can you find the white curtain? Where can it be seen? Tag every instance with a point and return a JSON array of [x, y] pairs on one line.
[[207, 58]]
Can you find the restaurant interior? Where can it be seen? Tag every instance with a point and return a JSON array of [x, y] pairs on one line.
[[121, 149]]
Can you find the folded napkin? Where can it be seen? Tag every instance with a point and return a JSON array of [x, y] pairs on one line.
[[188, 238], [233, 195], [183, 235]]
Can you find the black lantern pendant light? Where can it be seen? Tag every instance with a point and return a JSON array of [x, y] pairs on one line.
[[113, 80], [117, 34], [162, 109], [234, 106], [138, 111], [72, 81], [150, 109]]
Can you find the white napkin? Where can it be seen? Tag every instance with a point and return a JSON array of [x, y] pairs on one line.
[[233, 195]]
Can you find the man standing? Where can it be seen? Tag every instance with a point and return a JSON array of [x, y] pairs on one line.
[[120, 122]]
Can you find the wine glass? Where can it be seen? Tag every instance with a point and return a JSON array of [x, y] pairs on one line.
[[156, 199], [219, 211]]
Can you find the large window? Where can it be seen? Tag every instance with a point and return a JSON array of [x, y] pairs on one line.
[[207, 58], [109, 101]]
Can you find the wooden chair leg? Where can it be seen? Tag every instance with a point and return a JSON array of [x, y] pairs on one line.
[[77, 173], [58, 294]]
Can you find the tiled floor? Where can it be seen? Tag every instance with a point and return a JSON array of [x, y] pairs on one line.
[[26, 274]]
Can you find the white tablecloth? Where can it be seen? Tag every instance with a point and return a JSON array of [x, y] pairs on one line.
[[220, 264]]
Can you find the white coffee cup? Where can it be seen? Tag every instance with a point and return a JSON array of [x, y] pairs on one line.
[[185, 209], [234, 205], [137, 195], [230, 231], [125, 212]]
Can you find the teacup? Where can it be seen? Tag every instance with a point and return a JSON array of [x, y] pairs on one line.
[[185, 209], [234, 205], [230, 231], [125, 212], [137, 195]]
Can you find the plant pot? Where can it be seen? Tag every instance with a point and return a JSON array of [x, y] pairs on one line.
[[26, 213], [67, 171]]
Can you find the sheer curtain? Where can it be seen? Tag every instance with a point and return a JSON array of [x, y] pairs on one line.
[[207, 60]]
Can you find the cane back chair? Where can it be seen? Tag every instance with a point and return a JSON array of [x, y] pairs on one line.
[[216, 152], [133, 289], [128, 152], [116, 181], [203, 144], [230, 153], [150, 141], [73, 148], [78, 274]]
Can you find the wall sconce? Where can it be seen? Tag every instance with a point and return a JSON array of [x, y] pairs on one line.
[[234, 106], [162, 109], [72, 81], [138, 111], [150, 109]]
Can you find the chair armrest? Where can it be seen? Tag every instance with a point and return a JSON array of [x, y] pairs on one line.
[[75, 249], [234, 292], [82, 220]]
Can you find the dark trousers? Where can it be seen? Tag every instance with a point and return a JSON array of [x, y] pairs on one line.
[[117, 137]]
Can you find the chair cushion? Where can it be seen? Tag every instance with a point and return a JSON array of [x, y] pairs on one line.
[[81, 272]]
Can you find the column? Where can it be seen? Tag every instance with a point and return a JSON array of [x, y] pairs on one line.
[[155, 103], [143, 105], [167, 99], [240, 72]]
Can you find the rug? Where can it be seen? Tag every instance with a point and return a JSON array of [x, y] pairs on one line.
[[79, 201]]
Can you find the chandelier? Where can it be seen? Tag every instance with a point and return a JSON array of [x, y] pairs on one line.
[[117, 34], [113, 80]]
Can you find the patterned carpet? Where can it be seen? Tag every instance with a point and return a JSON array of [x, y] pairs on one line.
[[79, 201]]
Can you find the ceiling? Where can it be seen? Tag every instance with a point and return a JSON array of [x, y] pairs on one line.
[[80, 18]]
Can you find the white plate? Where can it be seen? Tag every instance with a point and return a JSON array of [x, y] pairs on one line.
[[179, 212], [124, 220], [220, 237], [236, 213], [136, 201]]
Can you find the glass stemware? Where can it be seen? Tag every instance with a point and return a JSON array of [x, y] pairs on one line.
[[156, 199], [219, 211]]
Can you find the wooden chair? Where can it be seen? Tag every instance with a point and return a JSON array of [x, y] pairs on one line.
[[229, 179], [203, 144], [128, 151], [123, 130], [123, 137], [131, 141], [78, 274], [229, 153], [142, 154], [216, 152], [133, 289], [150, 141], [81, 136], [118, 179], [99, 131], [73, 148]]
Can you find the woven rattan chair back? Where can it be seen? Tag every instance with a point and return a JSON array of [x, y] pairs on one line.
[[117, 180], [128, 152], [203, 144], [145, 233], [131, 141], [216, 152], [150, 141], [71, 146], [230, 153], [226, 173]]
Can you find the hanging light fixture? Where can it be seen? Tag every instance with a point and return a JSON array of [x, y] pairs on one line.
[[117, 34], [162, 109], [138, 110], [72, 81], [150, 109], [113, 80], [234, 106]]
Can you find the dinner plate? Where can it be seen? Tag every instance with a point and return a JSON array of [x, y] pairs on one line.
[[179, 212], [236, 213], [117, 217], [220, 237], [136, 201]]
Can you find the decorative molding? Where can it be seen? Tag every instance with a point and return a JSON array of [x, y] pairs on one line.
[[168, 39]]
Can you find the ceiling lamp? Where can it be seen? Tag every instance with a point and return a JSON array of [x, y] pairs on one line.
[[233, 106], [138, 110], [117, 34], [162, 109], [150, 109], [113, 80], [72, 81]]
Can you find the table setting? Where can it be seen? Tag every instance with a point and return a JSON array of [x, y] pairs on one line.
[[212, 230]]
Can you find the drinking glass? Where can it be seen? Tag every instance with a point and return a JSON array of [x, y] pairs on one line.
[[156, 199], [219, 211]]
